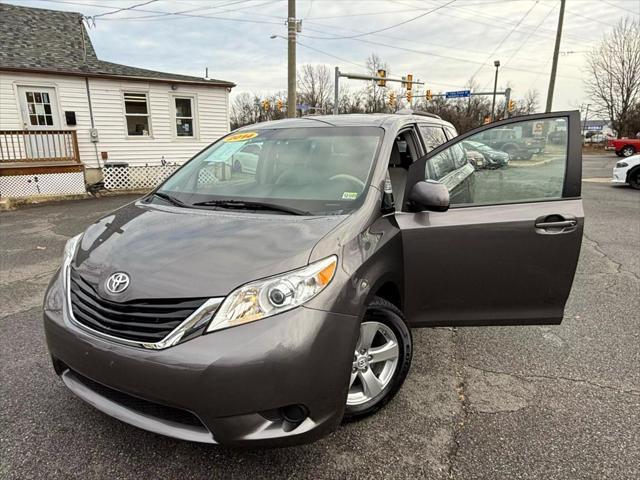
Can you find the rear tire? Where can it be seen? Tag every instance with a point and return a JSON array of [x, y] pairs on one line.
[[389, 325], [627, 151]]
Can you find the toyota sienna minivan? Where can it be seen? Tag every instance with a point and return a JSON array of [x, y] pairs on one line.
[[265, 305]]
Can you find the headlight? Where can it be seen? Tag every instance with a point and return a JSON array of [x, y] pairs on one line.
[[273, 295], [622, 165], [70, 249]]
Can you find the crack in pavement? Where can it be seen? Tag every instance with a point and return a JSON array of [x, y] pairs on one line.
[[556, 378], [618, 266], [460, 390]]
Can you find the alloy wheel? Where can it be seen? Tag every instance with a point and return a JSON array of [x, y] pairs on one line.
[[374, 362]]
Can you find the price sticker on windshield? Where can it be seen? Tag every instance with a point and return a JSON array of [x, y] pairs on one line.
[[349, 195], [240, 137]]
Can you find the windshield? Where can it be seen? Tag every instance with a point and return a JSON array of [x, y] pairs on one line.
[[317, 170]]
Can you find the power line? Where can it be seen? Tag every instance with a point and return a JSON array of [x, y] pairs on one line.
[[519, 49], [177, 14], [389, 27], [622, 8], [386, 36], [505, 38], [502, 22], [590, 18], [437, 55], [166, 14], [124, 8]]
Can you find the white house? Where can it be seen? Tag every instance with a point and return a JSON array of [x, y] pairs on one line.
[[65, 115]]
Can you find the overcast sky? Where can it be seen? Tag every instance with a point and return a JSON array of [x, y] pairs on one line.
[[443, 47]]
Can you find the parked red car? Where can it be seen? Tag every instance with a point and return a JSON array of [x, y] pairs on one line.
[[624, 147]]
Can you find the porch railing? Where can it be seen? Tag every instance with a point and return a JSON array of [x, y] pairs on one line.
[[18, 146]]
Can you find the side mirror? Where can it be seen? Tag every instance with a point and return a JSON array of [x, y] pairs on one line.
[[429, 195]]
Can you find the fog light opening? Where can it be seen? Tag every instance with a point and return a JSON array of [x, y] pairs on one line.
[[293, 416]]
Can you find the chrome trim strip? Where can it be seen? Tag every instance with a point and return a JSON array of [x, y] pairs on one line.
[[193, 321]]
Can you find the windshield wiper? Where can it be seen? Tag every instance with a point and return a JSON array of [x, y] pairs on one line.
[[171, 199], [248, 205]]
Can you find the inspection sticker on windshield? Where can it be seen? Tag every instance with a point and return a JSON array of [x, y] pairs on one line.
[[349, 195], [240, 137]]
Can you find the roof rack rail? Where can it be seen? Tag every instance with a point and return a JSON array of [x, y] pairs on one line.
[[408, 111]]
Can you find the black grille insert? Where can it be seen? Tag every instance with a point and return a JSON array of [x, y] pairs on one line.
[[146, 321], [146, 407]]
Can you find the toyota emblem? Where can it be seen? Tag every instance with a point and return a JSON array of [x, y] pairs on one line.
[[117, 282]]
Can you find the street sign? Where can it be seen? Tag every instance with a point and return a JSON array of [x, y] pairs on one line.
[[458, 94], [595, 128]]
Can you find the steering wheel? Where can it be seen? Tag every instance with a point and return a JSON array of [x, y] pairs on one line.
[[350, 178]]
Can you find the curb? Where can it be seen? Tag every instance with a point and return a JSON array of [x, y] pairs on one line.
[[15, 202]]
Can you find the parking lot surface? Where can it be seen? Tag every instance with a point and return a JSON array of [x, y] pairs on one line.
[[511, 402]]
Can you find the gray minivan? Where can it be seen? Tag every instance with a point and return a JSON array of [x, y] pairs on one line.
[[265, 305]]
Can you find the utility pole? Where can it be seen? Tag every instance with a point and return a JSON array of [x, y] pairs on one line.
[[556, 51], [336, 91], [495, 88], [291, 59], [584, 122]]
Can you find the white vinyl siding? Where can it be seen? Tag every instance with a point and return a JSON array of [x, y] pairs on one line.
[[211, 116]]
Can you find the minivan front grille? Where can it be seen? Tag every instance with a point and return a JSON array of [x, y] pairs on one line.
[[146, 321]]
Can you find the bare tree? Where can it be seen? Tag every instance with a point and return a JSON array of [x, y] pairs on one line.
[[248, 109], [614, 74], [529, 104], [375, 96], [315, 85]]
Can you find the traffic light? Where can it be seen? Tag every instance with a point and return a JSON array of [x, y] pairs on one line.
[[428, 95], [409, 97], [279, 105], [409, 82], [511, 106], [266, 105], [392, 99], [382, 75]]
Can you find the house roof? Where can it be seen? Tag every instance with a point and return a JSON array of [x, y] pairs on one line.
[[36, 39]]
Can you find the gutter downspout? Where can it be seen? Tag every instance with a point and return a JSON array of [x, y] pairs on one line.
[[93, 124]]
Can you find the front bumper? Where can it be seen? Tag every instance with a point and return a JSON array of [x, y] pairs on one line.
[[619, 176], [236, 383]]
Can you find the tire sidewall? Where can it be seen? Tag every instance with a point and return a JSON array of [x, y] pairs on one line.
[[391, 317], [632, 178], [628, 151]]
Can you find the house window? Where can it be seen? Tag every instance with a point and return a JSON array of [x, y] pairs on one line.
[[136, 111], [39, 107], [184, 116]]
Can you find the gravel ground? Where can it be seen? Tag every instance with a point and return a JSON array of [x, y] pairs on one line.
[[512, 402]]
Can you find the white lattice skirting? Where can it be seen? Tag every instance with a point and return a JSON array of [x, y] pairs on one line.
[[45, 184], [132, 178]]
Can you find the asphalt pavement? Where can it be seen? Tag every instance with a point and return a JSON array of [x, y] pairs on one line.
[[548, 402]]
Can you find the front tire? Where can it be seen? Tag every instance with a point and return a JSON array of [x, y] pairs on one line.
[[381, 361], [628, 151], [633, 178]]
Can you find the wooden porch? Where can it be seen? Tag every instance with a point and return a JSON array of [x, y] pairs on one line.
[[36, 152]]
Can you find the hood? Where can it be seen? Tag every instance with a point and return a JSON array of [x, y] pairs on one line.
[[171, 252]]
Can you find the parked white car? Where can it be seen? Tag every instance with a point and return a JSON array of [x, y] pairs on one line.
[[628, 171]]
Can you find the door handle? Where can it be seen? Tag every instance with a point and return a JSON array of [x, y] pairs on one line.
[[553, 224], [561, 224]]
